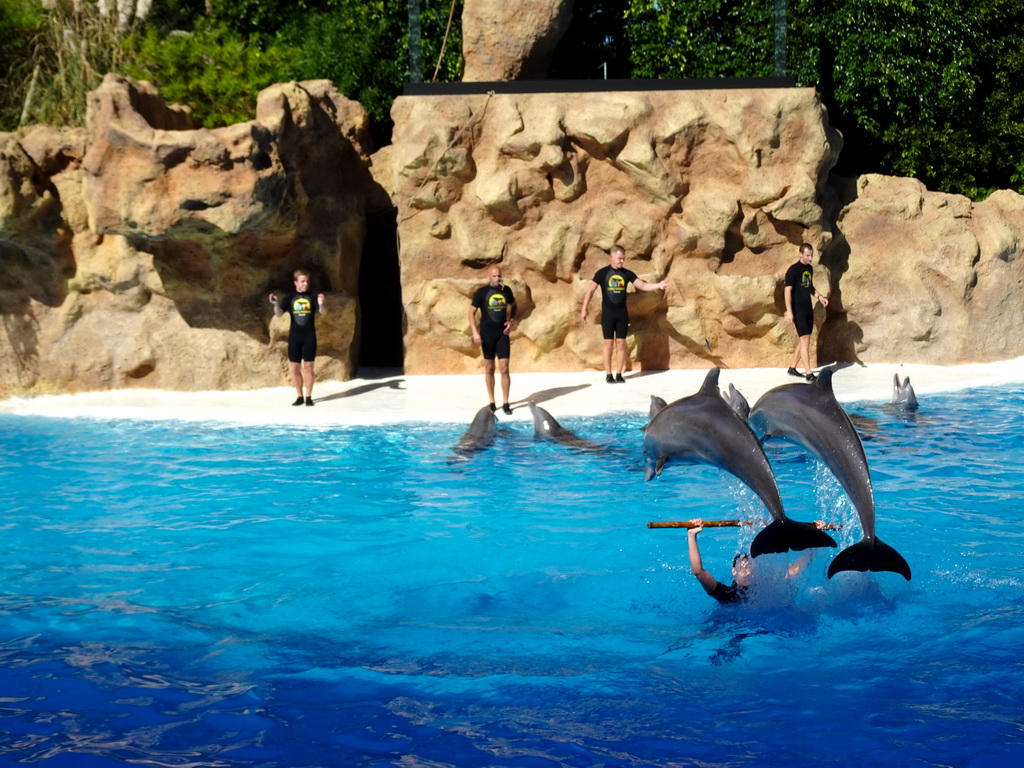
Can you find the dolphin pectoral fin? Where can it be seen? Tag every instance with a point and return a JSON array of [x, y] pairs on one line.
[[870, 555], [785, 535]]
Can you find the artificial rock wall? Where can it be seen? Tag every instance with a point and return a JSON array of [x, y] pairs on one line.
[[138, 252], [712, 190]]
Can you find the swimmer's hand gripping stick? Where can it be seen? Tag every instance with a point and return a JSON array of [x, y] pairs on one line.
[[726, 524]]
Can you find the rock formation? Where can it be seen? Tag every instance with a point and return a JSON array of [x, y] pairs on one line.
[[511, 40], [710, 189], [139, 251], [924, 277]]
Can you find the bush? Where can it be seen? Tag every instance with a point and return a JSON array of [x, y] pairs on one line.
[[214, 70], [70, 48], [20, 22]]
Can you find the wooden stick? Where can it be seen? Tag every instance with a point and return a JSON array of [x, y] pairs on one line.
[[726, 524]]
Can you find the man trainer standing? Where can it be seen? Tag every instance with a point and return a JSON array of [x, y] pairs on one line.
[[302, 334], [612, 280], [497, 308], [800, 295]]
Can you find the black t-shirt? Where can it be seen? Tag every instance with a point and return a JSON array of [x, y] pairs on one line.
[[302, 307], [613, 284], [729, 594], [492, 303], [800, 277]]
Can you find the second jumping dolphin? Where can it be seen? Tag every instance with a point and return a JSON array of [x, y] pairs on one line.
[[809, 415]]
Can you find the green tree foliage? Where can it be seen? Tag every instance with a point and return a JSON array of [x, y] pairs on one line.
[[216, 57], [20, 22], [363, 47], [900, 78], [922, 88], [213, 69], [925, 88], [659, 37], [72, 45], [999, 96], [700, 38]]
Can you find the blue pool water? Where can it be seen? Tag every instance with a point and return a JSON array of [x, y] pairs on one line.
[[174, 594]]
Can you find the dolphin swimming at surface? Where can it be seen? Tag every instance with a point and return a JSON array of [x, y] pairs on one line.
[[903, 394], [657, 403], [479, 435], [703, 428], [545, 426], [809, 415]]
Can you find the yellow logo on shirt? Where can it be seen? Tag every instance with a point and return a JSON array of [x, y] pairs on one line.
[[496, 301], [302, 306], [616, 283]]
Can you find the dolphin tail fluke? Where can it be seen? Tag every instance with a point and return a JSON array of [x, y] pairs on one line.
[[870, 555], [785, 535]]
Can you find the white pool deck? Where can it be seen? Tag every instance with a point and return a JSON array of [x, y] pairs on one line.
[[382, 397]]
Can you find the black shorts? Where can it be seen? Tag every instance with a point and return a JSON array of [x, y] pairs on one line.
[[495, 344], [302, 348], [614, 323], [804, 321]]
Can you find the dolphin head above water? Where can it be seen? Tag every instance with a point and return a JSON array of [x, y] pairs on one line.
[[544, 424], [737, 402], [546, 427], [479, 435], [903, 394]]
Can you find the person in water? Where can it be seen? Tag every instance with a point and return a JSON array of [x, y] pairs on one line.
[[742, 570]]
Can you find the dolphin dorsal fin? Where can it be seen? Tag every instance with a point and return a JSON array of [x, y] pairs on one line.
[[824, 380], [710, 385]]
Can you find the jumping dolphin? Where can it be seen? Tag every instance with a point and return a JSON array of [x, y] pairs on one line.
[[903, 394], [703, 428], [479, 435], [657, 404], [809, 415], [545, 426], [737, 402]]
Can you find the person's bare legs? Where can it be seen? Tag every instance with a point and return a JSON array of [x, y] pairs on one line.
[[803, 353], [620, 353], [506, 380], [489, 379], [296, 371], [307, 378], [606, 353]]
